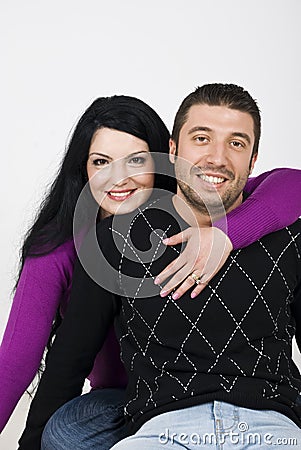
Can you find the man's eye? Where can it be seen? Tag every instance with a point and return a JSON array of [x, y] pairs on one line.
[[237, 144], [200, 139]]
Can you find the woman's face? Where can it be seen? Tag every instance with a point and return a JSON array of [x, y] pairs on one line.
[[120, 171]]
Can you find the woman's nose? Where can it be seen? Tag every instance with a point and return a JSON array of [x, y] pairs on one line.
[[118, 173]]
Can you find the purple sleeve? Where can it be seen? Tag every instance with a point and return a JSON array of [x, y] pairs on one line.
[[43, 283], [274, 203]]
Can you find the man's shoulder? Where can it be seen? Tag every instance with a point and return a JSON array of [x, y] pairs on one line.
[[156, 212], [286, 241], [293, 232], [293, 229], [295, 226]]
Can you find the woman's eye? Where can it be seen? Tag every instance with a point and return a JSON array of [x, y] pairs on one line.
[[100, 162], [137, 160]]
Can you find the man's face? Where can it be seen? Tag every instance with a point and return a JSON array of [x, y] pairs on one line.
[[213, 157]]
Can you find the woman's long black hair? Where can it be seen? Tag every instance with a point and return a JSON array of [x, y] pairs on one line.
[[54, 222]]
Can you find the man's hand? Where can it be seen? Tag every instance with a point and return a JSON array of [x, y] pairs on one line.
[[206, 251]]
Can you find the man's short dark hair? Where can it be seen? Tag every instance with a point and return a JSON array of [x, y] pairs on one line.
[[219, 94]]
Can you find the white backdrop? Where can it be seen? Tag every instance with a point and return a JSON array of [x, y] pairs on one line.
[[57, 56]]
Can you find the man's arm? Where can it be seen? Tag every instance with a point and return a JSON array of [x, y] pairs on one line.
[[296, 311], [90, 313]]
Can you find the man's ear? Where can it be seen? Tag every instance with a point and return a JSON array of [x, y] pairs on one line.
[[172, 151], [252, 163]]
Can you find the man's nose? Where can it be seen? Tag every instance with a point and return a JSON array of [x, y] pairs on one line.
[[217, 154]]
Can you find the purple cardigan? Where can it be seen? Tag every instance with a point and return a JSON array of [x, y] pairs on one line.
[[45, 282]]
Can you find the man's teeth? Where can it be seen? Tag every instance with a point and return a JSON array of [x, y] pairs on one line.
[[120, 194], [213, 180]]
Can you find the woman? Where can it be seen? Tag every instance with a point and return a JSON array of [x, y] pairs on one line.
[[48, 253]]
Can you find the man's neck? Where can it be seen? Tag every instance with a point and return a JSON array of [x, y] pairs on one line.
[[194, 217]]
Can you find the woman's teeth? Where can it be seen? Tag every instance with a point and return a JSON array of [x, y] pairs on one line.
[[213, 180], [120, 194]]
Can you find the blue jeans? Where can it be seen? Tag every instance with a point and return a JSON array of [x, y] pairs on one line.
[[215, 425], [91, 421]]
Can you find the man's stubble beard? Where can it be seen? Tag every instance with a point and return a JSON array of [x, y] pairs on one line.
[[213, 205]]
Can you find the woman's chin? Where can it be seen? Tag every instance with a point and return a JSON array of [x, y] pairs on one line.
[[131, 203]]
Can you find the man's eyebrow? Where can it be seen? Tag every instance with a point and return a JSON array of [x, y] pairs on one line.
[[242, 135], [199, 128]]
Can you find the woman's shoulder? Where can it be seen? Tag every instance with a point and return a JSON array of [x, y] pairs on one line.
[[60, 258], [45, 278], [65, 249]]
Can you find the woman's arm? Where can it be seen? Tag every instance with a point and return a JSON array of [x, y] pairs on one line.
[[89, 315], [43, 282], [274, 203]]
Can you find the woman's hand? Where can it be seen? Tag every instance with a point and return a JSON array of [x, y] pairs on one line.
[[206, 251]]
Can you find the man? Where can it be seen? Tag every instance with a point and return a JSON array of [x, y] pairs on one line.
[[213, 370]]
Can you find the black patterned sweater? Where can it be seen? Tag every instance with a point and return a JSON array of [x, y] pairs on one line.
[[232, 343]]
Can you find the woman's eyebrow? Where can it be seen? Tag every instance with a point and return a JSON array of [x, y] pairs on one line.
[[136, 153], [100, 154]]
